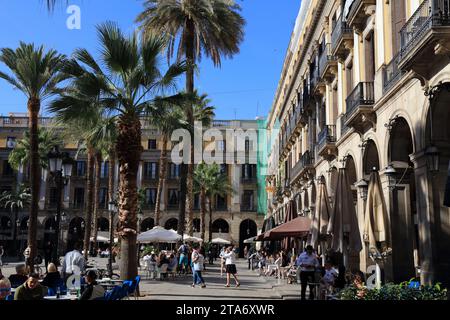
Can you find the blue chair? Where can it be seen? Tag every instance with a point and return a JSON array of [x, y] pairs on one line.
[[414, 284], [10, 297], [114, 294], [51, 292], [125, 289]]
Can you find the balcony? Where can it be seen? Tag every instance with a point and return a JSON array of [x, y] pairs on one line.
[[341, 39], [326, 145], [344, 128], [248, 180], [308, 99], [391, 74], [248, 207], [303, 167], [425, 35], [327, 64], [315, 80], [360, 107], [358, 13]]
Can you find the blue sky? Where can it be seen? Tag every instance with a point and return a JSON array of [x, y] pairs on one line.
[[242, 88]]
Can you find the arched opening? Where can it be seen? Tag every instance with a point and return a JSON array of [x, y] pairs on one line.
[[220, 226], [403, 215], [76, 232], [350, 167], [24, 225], [147, 224], [371, 158], [436, 239], [103, 224], [50, 229], [5, 226], [172, 223], [247, 229]]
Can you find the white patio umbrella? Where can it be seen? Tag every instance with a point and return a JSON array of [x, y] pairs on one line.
[[158, 234], [220, 241], [189, 238], [250, 240], [103, 236]]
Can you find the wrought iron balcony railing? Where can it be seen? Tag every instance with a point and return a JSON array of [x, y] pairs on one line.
[[362, 95], [340, 30], [391, 74], [325, 59], [327, 135]]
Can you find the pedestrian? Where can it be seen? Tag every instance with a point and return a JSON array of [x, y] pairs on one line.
[[308, 263], [183, 262], [26, 254], [230, 265], [198, 261], [48, 252], [74, 262], [1, 255], [31, 289]]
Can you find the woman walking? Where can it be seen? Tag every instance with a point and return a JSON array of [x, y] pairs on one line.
[[230, 265], [198, 261]]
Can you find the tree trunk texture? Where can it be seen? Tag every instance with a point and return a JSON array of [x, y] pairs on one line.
[[182, 212], [35, 178], [210, 219], [129, 151], [89, 201], [98, 166], [202, 213], [190, 60], [162, 179]]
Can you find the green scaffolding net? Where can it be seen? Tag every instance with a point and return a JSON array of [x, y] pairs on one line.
[[262, 166]]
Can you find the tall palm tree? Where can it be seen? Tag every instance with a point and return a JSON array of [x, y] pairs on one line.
[[210, 27], [209, 182], [16, 200], [124, 82], [35, 72], [166, 119]]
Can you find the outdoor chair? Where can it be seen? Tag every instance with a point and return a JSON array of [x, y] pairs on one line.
[[114, 294], [51, 292], [150, 268], [162, 271], [10, 297]]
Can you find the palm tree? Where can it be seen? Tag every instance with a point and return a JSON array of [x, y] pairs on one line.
[[35, 73], [15, 200], [210, 27], [209, 181], [20, 155], [124, 84]]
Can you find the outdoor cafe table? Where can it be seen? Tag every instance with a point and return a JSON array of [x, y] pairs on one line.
[[109, 283]]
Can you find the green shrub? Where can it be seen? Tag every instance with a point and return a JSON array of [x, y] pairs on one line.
[[391, 291]]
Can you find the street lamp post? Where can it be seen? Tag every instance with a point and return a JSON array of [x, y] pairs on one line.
[[112, 208], [60, 166]]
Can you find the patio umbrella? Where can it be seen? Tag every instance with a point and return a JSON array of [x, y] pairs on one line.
[[343, 224], [250, 240], [103, 236], [291, 215], [158, 234], [189, 238], [376, 224], [220, 241], [321, 217]]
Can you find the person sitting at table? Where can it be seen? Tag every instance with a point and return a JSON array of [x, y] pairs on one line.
[[31, 289], [162, 259], [328, 279], [92, 290], [5, 287], [52, 279], [172, 263], [19, 277]]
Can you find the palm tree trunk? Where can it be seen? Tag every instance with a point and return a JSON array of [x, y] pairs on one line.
[[190, 60], [14, 224], [35, 178], [98, 164], [111, 192], [129, 151], [162, 179], [89, 202], [182, 212], [210, 218], [202, 212]]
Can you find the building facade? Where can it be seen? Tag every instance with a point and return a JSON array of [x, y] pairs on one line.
[[366, 84], [235, 217]]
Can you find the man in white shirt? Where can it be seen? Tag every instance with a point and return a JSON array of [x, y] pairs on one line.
[[73, 262], [308, 262]]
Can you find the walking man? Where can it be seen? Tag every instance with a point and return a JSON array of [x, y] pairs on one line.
[[73, 262], [308, 263], [1, 255]]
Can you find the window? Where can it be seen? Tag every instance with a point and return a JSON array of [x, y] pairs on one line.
[[102, 198], [221, 203], [248, 200], [173, 197], [150, 196], [11, 142], [221, 145], [174, 171], [78, 198], [197, 201], [248, 171], [81, 168], [104, 169], [53, 197], [152, 144], [7, 169], [150, 170], [248, 145]]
